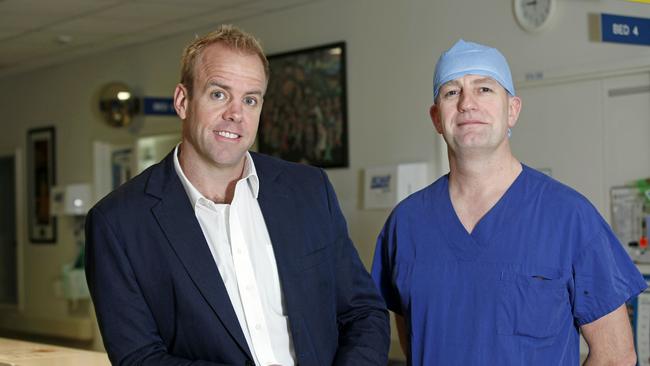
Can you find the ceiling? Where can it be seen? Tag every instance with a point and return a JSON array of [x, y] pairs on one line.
[[37, 33]]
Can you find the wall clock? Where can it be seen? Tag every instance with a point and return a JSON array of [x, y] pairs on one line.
[[534, 15]]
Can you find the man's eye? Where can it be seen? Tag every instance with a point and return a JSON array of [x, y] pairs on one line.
[[451, 93], [250, 101], [219, 95], [485, 89]]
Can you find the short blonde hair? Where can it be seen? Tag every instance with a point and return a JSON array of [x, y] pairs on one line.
[[227, 35]]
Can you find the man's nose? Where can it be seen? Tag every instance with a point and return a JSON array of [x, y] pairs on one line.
[[466, 101], [233, 112]]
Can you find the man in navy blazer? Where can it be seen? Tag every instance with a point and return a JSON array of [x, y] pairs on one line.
[[176, 259]]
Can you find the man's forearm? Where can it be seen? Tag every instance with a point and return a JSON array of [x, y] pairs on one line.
[[628, 359]]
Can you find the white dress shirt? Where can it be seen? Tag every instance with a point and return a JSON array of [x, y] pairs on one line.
[[241, 247]]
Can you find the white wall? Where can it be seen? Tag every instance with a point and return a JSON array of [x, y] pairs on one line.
[[586, 138], [392, 48]]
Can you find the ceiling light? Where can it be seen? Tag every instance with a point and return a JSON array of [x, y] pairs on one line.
[[62, 39]]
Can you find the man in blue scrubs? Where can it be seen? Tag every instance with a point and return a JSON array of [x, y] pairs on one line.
[[496, 263]]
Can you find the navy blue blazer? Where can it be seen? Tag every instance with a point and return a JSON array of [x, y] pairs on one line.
[[159, 297]]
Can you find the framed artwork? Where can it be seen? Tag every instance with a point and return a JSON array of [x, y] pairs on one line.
[[41, 176], [121, 166], [304, 118]]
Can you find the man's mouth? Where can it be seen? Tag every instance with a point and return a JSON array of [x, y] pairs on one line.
[[228, 135], [471, 122]]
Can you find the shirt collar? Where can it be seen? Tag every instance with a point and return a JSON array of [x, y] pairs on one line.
[[249, 176]]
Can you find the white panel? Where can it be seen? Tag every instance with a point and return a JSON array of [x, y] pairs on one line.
[[627, 130], [589, 140], [560, 128]]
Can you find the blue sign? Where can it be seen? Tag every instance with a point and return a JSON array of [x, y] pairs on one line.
[[622, 29], [158, 106], [380, 182]]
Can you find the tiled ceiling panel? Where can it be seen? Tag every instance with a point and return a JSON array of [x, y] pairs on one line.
[[147, 12], [37, 33]]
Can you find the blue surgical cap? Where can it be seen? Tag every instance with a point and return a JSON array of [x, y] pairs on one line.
[[472, 58]]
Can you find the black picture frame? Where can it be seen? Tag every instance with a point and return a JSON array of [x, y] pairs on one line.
[[41, 177], [304, 117]]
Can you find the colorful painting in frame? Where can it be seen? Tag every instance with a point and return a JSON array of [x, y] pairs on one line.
[[41, 170], [304, 117]]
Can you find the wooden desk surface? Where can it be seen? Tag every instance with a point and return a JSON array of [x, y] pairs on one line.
[[20, 353]]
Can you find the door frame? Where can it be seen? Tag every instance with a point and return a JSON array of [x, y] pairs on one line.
[[19, 210]]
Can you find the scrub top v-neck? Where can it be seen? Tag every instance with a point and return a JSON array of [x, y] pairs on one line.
[[537, 265], [472, 245]]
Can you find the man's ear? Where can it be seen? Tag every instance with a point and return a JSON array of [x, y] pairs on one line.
[[181, 101], [435, 118], [514, 108]]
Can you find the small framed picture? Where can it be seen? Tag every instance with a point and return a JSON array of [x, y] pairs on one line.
[[304, 118], [41, 177]]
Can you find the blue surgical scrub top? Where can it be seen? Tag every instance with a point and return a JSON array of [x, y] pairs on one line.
[[538, 265]]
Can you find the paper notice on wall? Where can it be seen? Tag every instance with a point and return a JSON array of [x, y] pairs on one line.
[[627, 214], [642, 330]]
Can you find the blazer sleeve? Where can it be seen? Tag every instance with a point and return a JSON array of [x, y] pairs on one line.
[[363, 323], [127, 325]]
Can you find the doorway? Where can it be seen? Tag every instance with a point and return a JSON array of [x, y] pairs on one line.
[[8, 232]]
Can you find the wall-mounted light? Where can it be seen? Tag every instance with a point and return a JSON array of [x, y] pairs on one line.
[[117, 104], [123, 95]]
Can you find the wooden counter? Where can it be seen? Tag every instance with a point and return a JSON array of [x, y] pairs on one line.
[[20, 353]]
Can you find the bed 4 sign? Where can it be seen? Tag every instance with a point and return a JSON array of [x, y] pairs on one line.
[[624, 29]]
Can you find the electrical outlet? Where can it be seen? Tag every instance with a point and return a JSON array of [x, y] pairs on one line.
[[57, 287]]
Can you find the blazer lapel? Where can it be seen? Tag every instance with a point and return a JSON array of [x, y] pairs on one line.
[[282, 220], [287, 236], [177, 220]]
